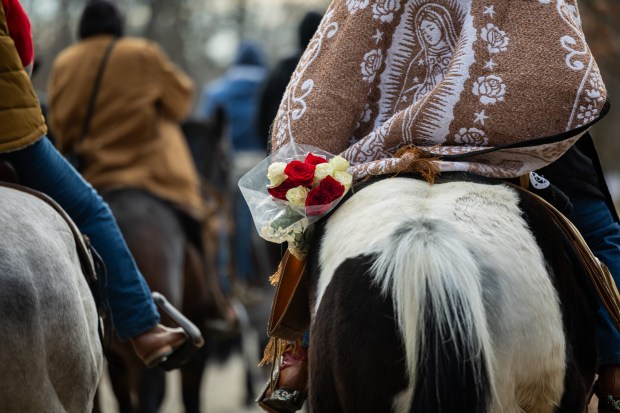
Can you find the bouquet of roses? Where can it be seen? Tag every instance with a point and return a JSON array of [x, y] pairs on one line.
[[293, 188]]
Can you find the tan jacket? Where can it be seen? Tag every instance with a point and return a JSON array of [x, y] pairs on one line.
[[21, 120], [134, 139]]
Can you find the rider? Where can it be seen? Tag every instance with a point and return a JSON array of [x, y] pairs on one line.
[[41, 167], [579, 176]]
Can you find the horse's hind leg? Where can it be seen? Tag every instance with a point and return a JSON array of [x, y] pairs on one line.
[[156, 240], [191, 380], [354, 331]]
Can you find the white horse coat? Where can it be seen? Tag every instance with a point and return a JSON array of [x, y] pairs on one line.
[[50, 354], [463, 250]]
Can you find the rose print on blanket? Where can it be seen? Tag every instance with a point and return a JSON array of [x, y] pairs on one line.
[[355, 5], [371, 65], [496, 39], [471, 136], [384, 10], [491, 89]]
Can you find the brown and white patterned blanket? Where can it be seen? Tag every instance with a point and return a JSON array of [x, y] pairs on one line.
[[495, 87]]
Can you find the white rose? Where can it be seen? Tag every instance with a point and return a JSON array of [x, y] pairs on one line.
[[276, 174], [344, 178], [321, 171], [297, 196], [339, 164]]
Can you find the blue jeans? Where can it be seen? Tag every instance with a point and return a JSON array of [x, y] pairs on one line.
[[594, 220], [41, 167]]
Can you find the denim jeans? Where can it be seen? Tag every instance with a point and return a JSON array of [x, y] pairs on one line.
[[594, 220], [41, 167]]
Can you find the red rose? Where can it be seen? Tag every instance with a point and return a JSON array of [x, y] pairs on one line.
[[314, 160], [280, 190], [327, 192], [299, 173]]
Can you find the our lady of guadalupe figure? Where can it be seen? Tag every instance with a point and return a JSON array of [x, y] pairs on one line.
[[437, 39]]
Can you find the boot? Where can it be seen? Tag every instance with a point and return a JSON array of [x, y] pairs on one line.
[[291, 389], [154, 346], [607, 389]]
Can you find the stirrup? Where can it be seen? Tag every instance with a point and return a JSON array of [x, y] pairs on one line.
[[195, 340], [281, 400], [609, 404]]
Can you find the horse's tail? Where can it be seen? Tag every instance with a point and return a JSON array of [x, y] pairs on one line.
[[434, 275]]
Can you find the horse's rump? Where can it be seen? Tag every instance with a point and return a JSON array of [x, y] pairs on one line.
[[438, 298], [51, 355]]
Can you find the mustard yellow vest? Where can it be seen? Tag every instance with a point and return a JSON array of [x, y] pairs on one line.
[[21, 120]]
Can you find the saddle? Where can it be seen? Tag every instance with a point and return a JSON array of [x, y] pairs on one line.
[[597, 271]]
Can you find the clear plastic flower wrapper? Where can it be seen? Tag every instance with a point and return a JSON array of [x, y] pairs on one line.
[[293, 188]]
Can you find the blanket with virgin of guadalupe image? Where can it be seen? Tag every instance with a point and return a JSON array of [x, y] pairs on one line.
[[494, 87]]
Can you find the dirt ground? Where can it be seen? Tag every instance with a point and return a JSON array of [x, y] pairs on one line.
[[222, 391]]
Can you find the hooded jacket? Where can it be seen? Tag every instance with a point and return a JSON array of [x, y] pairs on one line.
[[236, 94], [21, 120]]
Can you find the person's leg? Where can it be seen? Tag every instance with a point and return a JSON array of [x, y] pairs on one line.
[[595, 222], [42, 168]]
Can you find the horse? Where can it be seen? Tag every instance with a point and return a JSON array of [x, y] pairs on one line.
[[172, 264], [461, 296], [211, 153], [51, 358]]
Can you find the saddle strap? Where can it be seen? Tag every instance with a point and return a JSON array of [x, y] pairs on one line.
[[81, 241], [597, 271]]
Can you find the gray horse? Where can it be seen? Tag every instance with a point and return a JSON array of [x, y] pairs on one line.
[[51, 358]]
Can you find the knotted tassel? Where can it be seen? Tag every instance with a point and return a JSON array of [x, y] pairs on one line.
[[419, 161]]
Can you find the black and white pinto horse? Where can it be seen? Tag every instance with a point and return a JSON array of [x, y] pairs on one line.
[[460, 296], [50, 354]]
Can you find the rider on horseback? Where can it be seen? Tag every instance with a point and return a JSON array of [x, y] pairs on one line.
[[412, 89], [41, 167]]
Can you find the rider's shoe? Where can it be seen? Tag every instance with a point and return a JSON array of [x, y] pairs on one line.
[[607, 389], [154, 346], [291, 390]]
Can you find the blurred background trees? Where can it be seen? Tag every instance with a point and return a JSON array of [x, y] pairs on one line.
[[199, 35], [202, 37], [601, 22]]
